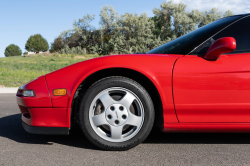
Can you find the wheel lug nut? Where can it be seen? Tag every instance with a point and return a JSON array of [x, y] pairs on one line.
[[109, 116], [117, 122], [124, 116], [112, 108], [121, 108]]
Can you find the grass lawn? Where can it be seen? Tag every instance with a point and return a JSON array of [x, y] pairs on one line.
[[16, 71]]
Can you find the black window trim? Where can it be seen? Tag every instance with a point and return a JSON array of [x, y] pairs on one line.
[[190, 53]]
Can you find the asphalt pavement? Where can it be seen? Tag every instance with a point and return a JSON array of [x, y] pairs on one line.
[[20, 148]]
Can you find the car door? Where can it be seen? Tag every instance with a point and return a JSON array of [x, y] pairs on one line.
[[215, 91]]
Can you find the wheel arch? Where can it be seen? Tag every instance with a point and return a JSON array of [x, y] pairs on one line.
[[125, 72]]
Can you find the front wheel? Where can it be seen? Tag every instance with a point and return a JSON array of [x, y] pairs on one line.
[[116, 113]]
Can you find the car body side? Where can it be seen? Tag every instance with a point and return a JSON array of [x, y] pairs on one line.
[[157, 68], [169, 74]]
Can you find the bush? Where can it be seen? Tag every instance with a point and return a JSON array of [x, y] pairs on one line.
[[74, 50], [12, 50], [57, 45], [131, 33], [36, 43]]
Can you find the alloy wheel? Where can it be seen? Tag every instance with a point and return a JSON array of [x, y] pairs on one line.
[[116, 114]]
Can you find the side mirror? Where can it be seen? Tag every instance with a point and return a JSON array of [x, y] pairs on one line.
[[220, 46]]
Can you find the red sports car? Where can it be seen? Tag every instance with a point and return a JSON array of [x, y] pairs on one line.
[[199, 82]]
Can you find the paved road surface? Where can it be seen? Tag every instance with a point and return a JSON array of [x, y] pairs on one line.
[[20, 148]]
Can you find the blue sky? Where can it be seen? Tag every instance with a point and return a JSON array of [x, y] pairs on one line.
[[21, 18]]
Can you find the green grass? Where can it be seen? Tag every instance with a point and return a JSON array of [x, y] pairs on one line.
[[16, 71]]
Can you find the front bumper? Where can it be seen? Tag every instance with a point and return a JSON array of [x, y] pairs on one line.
[[45, 120], [46, 130], [45, 117], [38, 114]]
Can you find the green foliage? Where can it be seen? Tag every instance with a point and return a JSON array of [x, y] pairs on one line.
[[228, 13], [82, 34], [131, 33], [12, 50], [36, 43], [210, 16], [74, 50], [172, 20], [57, 45], [135, 34]]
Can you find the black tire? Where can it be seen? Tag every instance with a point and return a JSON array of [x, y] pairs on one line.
[[110, 82]]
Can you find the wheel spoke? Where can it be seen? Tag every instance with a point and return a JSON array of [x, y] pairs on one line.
[[115, 114], [127, 100], [134, 120], [116, 132], [100, 119], [106, 100]]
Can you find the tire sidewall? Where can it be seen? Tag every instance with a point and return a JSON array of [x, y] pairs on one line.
[[109, 83]]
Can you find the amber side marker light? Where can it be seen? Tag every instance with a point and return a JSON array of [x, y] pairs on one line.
[[59, 92]]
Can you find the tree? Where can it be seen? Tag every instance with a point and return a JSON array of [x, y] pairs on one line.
[[135, 34], [131, 33], [172, 21], [228, 13], [213, 15], [12, 50], [83, 34], [57, 45], [36, 43]]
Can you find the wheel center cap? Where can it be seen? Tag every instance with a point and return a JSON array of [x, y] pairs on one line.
[[116, 115]]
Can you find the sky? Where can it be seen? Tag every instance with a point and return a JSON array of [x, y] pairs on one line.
[[20, 19]]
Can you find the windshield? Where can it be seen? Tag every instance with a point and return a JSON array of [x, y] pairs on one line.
[[185, 44]]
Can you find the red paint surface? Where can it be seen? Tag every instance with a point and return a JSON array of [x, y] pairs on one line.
[[158, 68], [212, 91], [42, 98], [47, 117], [209, 96], [207, 127], [220, 46]]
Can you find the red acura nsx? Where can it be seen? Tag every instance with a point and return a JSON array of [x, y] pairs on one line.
[[199, 82]]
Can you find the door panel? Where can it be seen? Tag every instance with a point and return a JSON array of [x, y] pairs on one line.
[[212, 91]]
